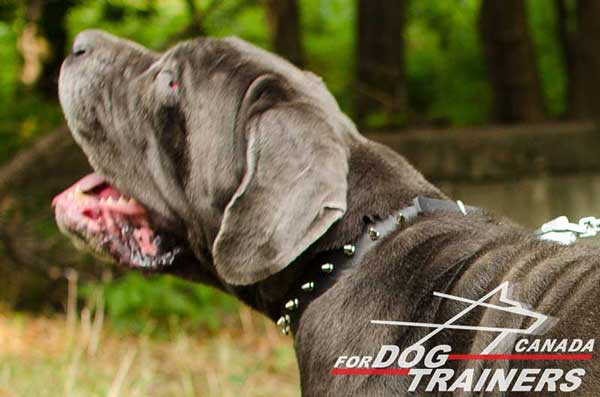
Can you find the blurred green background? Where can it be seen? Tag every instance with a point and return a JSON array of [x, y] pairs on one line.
[[397, 67]]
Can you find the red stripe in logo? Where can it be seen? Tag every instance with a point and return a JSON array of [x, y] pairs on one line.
[[523, 357], [370, 371]]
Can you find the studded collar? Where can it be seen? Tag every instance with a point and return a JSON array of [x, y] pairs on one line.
[[328, 266]]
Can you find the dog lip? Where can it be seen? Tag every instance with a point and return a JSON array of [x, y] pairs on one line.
[[85, 184], [91, 181]]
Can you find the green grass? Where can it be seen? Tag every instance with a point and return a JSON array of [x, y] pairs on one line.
[[48, 357]]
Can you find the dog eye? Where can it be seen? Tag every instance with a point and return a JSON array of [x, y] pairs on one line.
[[167, 82]]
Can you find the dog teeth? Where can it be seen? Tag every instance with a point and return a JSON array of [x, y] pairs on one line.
[[121, 201], [78, 193], [132, 201], [110, 200], [102, 200]]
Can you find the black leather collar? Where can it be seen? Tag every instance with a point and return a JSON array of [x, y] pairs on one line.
[[327, 267]]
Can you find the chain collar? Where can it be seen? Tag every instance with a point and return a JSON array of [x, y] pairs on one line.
[[562, 231]]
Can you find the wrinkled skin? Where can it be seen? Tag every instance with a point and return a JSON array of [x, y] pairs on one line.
[[242, 170], [169, 130]]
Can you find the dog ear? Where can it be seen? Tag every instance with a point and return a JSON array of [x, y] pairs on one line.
[[293, 190]]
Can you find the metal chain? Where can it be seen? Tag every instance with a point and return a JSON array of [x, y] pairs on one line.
[[565, 232]]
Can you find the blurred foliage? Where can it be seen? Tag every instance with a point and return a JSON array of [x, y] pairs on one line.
[[160, 305], [543, 21], [446, 80], [328, 28], [154, 24], [22, 117], [445, 74]]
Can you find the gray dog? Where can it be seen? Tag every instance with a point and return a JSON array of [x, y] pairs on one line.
[[224, 164]]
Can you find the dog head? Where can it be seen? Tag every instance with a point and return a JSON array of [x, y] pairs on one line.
[[215, 145]]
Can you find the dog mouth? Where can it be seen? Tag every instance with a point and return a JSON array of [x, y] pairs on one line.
[[97, 216]]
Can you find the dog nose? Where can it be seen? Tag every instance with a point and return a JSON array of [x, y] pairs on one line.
[[79, 49], [84, 42]]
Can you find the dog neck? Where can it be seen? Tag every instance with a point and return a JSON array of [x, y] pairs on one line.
[[380, 182]]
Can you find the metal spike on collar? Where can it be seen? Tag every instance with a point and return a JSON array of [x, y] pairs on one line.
[[349, 249], [327, 267], [461, 207], [373, 233], [283, 321], [400, 219], [307, 287], [292, 304]]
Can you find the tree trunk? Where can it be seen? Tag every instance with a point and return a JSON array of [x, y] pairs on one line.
[[381, 84], [284, 21], [196, 25], [511, 61], [566, 36], [581, 52], [52, 27]]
